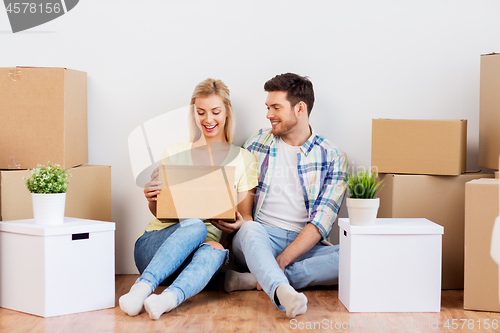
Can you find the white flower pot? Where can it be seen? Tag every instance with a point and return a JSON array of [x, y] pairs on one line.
[[362, 211], [48, 209]]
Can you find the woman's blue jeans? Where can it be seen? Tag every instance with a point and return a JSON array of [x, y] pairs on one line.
[[160, 253]]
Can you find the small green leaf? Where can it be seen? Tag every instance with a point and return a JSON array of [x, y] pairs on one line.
[[363, 184], [51, 179]]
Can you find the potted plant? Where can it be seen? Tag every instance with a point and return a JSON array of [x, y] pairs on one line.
[[362, 206], [48, 186]]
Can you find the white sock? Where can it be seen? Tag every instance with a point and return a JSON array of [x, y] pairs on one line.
[[239, 281], [294, 303], [132, 302], [156, 305]]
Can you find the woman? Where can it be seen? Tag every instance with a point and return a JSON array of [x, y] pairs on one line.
[[164, 247]]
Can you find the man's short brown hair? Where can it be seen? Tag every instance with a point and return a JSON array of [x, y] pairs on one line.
[[298, 88]]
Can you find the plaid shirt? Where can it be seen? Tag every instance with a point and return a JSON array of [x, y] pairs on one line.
[[322, 169]]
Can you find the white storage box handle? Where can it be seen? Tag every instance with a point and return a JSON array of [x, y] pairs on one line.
[[84, 235]]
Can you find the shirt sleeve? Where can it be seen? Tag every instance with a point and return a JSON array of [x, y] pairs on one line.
[[249, 142], [249, 178], [255, 141], [330, 198]]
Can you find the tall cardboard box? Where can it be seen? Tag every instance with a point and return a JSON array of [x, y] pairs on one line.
[[489, 111], [481, 272], [43, 117], [440, 199], [434, 147], [88, 195]]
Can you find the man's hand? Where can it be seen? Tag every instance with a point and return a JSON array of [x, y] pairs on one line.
[[305, 241], [229, 227], [282, 262]]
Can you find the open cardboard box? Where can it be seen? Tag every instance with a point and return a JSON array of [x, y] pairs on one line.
[[202, 192]]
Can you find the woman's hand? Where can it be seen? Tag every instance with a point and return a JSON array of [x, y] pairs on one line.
[[153, 188], [229, 227], [155, 174]]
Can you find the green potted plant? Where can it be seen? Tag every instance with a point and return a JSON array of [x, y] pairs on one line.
[[362, 206], [48, 186]]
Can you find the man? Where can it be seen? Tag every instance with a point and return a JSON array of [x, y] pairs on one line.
[[301, 187]]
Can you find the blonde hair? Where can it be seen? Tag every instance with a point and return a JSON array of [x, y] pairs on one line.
[[204, 89]]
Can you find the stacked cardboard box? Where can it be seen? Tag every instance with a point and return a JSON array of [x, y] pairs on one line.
[[481, 203], [439, 199], [481, 272], [465, 204], [43, 112], [424, 147], [88, 196], [489, 115], [422, 163]]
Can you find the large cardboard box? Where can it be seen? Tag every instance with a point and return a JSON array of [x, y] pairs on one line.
[[53, 270], [434, 147], [88, 195], [440, 199], [489, 111], [392, 266], [481, 272], [43, 117], [197, 192]]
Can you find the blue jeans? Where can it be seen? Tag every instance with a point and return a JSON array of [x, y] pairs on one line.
[[160, 253], [256, 246]]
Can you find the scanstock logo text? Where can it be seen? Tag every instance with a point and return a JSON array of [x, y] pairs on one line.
[[31, 13]]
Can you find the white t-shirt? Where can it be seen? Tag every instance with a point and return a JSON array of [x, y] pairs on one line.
[[284, 205]]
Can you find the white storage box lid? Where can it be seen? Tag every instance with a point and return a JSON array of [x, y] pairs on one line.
[[71, 225], [396, 226]]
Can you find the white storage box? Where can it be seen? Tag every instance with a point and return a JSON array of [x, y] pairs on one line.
[[393, 266], [56, 270]]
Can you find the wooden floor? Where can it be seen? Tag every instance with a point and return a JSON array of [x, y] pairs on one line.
[[252, 311]]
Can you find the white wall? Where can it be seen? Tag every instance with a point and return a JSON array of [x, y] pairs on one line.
[[367, 59]]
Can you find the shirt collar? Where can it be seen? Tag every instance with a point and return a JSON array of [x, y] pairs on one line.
[[307, 146]]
